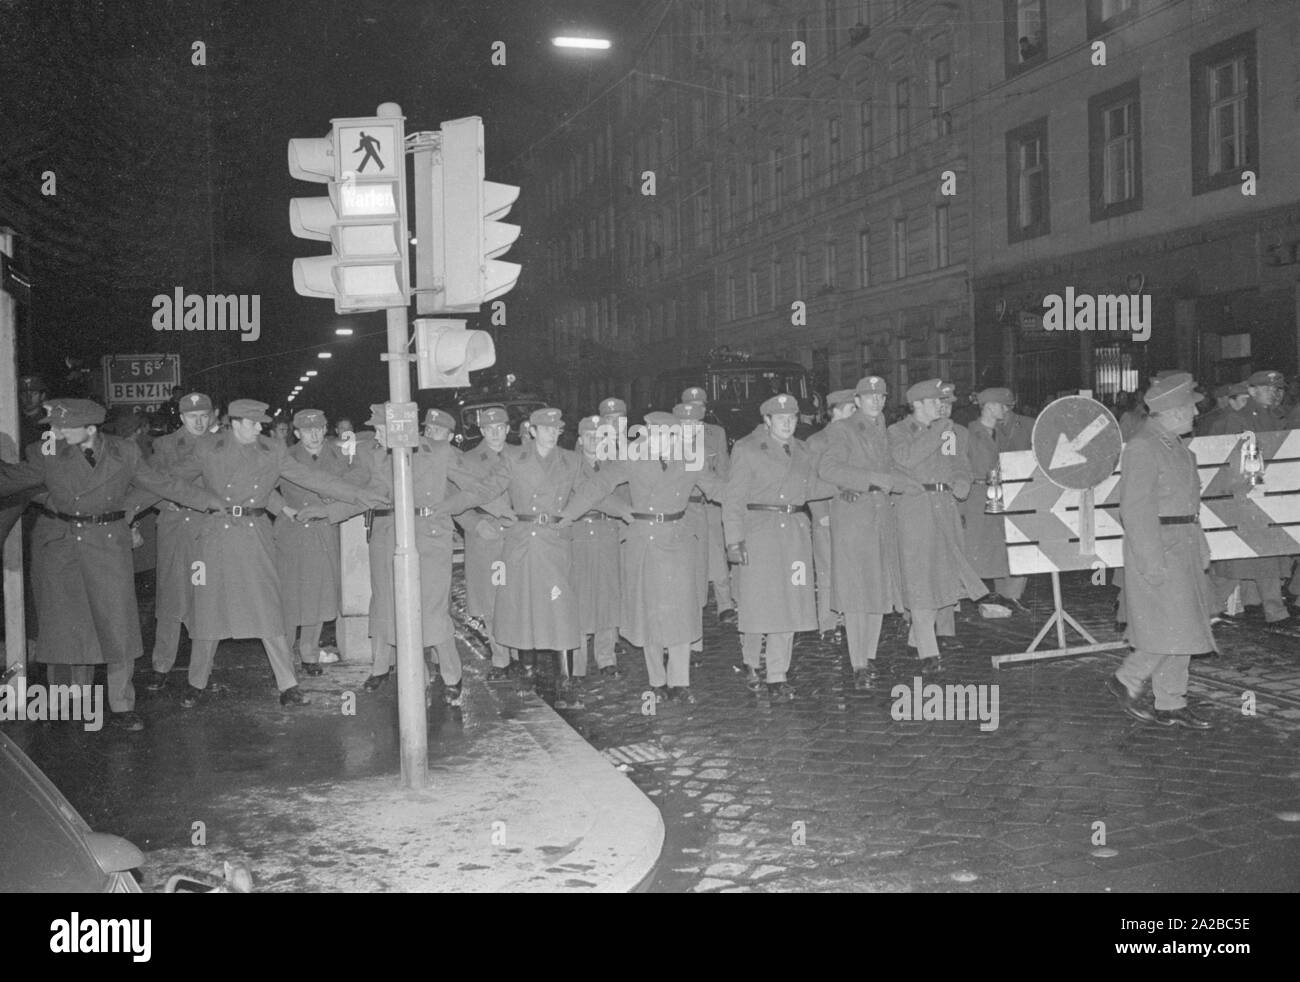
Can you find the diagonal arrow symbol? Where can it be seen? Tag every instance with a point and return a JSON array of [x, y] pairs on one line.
[[1067, 453]]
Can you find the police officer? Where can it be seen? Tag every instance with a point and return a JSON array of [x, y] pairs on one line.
[[238, 592], [661, 568], [715, 445], [308, 550], [1260, 414], [984, 534], [596, 569], [928, 447], [439, 425], [484, 534], [690, 415], [841, 406], [82, 572], [1235, 397], [178, 529], [864, 535], [767, 525], [1165, 555], [536, 607]]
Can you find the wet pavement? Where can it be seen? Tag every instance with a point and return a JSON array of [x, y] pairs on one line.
[[831, 792]]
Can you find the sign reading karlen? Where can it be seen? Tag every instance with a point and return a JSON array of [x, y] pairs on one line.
[[140, 380], [1077, 442]]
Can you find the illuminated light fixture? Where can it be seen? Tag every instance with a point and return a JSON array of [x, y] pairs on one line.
[[599, 44], [311, 373], [324, 354], [303, 378], [343, 332]]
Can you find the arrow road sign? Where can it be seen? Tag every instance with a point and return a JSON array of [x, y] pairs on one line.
[[1076, 442]]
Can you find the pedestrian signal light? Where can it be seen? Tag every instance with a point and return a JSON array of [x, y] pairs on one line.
[[363, 217]]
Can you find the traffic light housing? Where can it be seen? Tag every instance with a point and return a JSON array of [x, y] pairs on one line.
[[363, 218], [446, 353], [459, 234]]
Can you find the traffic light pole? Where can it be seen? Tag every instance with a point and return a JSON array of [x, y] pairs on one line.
[[406, 576]]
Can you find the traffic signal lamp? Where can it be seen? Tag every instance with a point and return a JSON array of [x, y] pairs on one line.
[[446, 353], [460, 233], [363, 218]]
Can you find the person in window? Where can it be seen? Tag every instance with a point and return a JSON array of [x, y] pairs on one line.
[[1028, 49]]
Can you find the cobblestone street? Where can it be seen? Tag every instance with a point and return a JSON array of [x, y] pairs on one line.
[[1066, 794]]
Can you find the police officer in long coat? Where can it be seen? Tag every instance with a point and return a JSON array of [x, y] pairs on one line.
[[537, 606], [984, 534], [83, 575], [597, 575], [308, 550], [661, 568], [237, 591], [768, 530], [864, 535], [927, 447], [178, 534], [484, 534], [1260, 415], [841, 405], [715, 445], [698, 509], [1165, 557]]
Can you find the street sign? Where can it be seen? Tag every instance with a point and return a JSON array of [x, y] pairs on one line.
[[402, 421], [140, 380], [1076, 442]]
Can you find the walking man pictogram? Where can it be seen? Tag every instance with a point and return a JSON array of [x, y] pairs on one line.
[[371, 146]]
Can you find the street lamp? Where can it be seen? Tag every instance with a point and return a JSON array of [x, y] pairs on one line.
[[324, 354], [343, 332], [595, 44]]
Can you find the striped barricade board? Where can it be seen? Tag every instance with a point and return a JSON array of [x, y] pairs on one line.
[[1042, 519]]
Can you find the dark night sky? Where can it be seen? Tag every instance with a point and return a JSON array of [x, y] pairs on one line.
[[173, 175]]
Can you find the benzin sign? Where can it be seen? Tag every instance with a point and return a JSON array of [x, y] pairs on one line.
[[140, 380]]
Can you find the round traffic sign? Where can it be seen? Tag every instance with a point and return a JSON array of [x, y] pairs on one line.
[[1076, 442]]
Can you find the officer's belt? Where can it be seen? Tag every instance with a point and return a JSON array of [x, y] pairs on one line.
[[659, 517], [783, 509], [940, 486], [594, 516], [172, 506], [422, 512], [238, 511], [107, 518], [1179, 519], [542, 519]]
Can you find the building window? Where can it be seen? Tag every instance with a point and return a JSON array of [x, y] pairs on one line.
[[942, 253], [728, 96], [731, 298], [1225, 113], [702, 219], [800, 274], [733, 202], [942, 98], [832, 24], [1027, 185], [775, 284], [774, 66], [1115, 158], [900, 248], [866, 135], [753, 291], [864, 258], [755, 192], [1106, 15], [1026, 34], [833, 149], [902, 114], [751, 83], [831, 257], [778, 179], [805, 164]]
